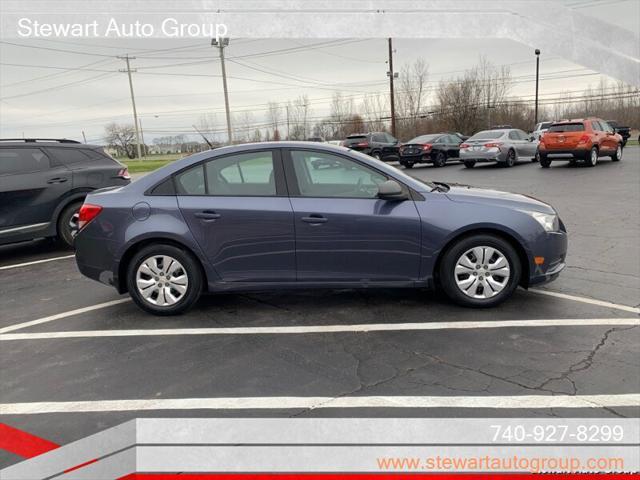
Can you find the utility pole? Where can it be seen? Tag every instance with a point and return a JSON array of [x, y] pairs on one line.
[[126, 58], [224, 42], [144, 149], [287, 108], [537, 75], [391, 74]]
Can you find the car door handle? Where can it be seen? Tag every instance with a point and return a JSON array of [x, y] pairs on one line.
[[315, 219], [57, 180], [207, 215]]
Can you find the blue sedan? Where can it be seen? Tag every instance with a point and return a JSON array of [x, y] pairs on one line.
[[264, 216]]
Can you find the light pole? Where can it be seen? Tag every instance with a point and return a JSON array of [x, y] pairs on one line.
[[224, 42], [537, 76]]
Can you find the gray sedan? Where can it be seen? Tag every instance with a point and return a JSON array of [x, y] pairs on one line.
[[503, 146]]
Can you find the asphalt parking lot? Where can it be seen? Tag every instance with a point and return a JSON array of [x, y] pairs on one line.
[[567, 350]]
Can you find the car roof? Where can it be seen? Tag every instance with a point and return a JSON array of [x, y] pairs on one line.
[[31, 142]]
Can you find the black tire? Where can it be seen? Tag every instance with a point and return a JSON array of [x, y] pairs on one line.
[[190, 266], [408, 165], [376, 155], [573, 162], [545, 162], [469, 163], [66, 226], [616, 157], [511, 159], [591, 160], [440, 160], [451, 256]]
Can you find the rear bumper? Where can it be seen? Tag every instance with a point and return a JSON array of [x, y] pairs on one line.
[[94, 260], [558, 154], [415, 159], [479, 157]]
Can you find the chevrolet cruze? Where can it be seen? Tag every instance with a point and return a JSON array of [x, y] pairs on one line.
[[261, 216]]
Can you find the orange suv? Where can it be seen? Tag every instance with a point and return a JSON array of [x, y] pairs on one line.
[[585, 139]]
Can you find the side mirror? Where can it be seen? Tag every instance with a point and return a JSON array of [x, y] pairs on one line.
[[532, 138], [391, 190]]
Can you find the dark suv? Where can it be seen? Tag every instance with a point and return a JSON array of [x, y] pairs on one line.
[[43, 183], [379, 145]]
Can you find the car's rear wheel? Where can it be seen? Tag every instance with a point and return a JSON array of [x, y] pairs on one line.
[[592, 157], [469, 163], [544, 161], [480, 271], [164, 280], [511, 159], [67, 225], [616, 157], [440, 160]]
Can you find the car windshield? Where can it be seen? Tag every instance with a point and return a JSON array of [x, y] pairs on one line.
[[567, 127], [424, 139], [488, 135], [545, 125]]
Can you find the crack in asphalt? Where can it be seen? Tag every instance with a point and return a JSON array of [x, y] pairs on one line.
[[580, 366]]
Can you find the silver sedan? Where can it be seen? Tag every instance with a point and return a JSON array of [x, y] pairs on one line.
[[503, 146]]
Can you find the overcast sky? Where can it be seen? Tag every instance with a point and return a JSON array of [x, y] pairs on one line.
[[178, 80]]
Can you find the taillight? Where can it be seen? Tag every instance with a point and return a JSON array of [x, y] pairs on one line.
[[87, 213], [362, 144], [583, 139], [426, 146], [493, 145], [124, 174], [464, 145]]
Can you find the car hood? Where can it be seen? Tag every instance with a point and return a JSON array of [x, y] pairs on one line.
[[469, 194]]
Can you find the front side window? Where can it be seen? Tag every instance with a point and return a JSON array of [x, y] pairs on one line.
[[322, 174], [513, 135], [22, 160]]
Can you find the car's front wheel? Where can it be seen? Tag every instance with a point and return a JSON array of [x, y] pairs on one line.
[[164, 280], [592, 157], [616, 157], [440, 160], [480, 271]]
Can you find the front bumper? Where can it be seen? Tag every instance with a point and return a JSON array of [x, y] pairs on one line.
[[553, 248]]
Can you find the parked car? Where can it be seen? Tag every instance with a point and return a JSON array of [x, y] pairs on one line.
[[315, 139], [435, 149], [43, 183], [379, 145], [259, 216], [503, 146], [338, 143], [624, 132], [540, 129], [585, 139]]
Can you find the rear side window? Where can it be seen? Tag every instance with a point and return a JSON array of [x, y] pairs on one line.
[[69, 156], [567, 127], [246, 174], [22, 160], [191, 181]]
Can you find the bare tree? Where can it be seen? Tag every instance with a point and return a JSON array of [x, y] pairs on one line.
[[122, 138], [374, 107], [411, 97]]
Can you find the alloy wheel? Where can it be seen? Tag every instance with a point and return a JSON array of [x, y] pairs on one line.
[[482, 272], [619, 152], [161, 280], [593, 159]]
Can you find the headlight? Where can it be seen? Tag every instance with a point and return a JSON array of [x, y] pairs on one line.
[[549, 222]]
